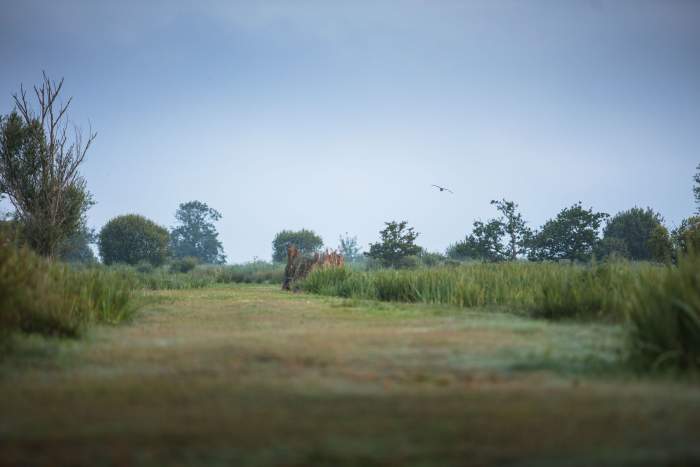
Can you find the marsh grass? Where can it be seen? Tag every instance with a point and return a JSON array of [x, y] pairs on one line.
[[664, 317], [49, 298], [546, 290]]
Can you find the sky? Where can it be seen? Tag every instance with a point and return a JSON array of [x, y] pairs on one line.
[[338, 116]]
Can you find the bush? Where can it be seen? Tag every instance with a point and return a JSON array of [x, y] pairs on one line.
[[184, 265], [664, 319], [132, 239], [144, 267], [37, 296], [629, 233]]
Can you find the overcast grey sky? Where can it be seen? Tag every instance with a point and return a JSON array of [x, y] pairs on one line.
[[337, 116]]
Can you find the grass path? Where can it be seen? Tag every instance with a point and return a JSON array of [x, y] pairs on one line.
[[248, 375]]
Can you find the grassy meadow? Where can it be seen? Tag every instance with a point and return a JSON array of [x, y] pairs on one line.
[[249, 375], [472, 364]]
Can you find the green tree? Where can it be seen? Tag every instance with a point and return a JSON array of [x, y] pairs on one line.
[[132, 239], [634, 229], [196, 235], [572, 235], [503, 238], [611, 247], [76, 248], [305, 240], [687, 236], [349, 248], [514, 227], [696, 189], [660, 244], [39, 162], [397, 245]]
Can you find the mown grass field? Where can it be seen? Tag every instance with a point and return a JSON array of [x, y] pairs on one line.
[[249, 375]]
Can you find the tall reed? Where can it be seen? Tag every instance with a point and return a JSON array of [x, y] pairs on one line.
[[40, 296], [664, 316], [547, 290]]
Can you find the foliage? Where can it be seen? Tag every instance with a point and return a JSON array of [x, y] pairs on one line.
[[50, 298], [686, 236], [660, 245], [76, 248], [305, 240], [39, 168], [397, 245], [633, 229], [186, 264], [349, 248], [146, 276], [611, 248], [431, 258], [546, 290], [484, 243], [665, 319], [196, 235], [503, 238], [256, 272], [572, 235], [597, 291], [514, 227], [696, 189], [132, 238]]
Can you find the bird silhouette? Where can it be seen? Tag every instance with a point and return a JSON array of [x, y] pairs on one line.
[[442, 188]]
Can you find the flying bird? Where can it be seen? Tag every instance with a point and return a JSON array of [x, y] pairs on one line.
[[442, 188]]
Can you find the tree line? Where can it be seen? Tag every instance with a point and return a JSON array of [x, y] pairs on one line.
[[41, 153]]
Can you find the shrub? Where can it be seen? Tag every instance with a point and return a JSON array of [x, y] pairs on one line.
[[131, 239], [664, 319], [184, 265], [38, 296], [144, 267], [631, 231]]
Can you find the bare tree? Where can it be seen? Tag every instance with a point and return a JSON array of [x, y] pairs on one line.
[[40, 154]]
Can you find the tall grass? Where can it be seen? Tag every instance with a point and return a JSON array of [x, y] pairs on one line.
[[169, 278], [39, 296], [544, 289], [664, 316]]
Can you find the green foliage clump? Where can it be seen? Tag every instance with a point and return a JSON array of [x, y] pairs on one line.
[[499, 239], [306, 241], [686, 237], [131, 239], [664, 316], [597, 291], [76, 248], [571, 236], [630, 234], [196, 236], [146, 276], [349, 248], [696, 189], [397, 246], [39, 296], [483, 244], [184, 265], [256, 272], [660, 245]]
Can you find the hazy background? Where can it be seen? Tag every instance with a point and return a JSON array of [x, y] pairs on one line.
[[337, 116]]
